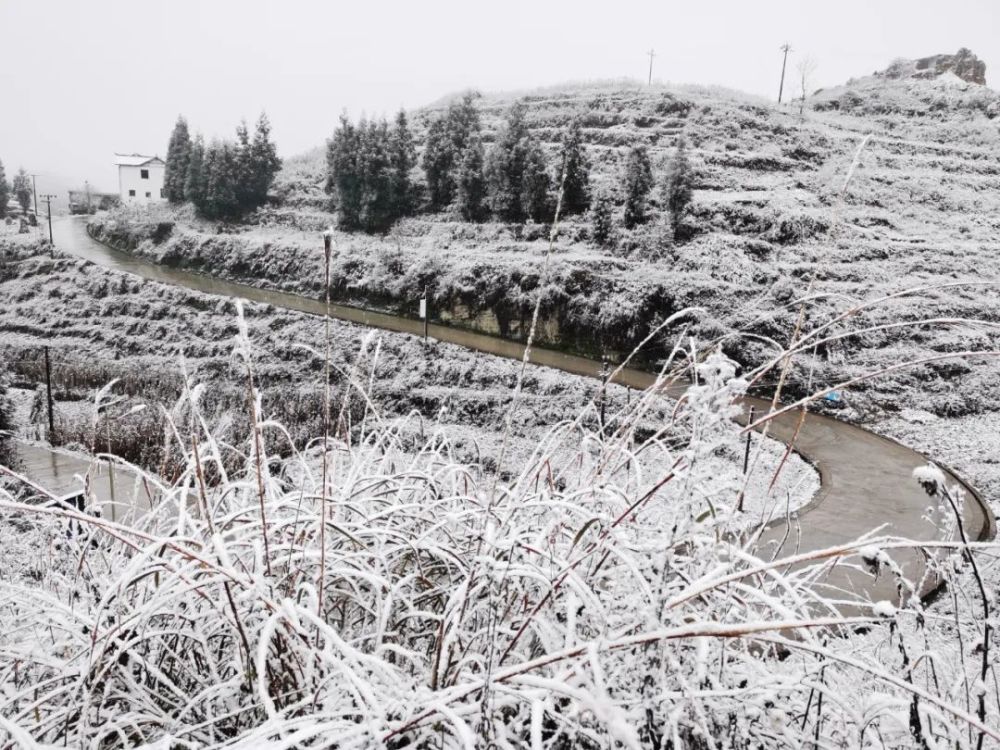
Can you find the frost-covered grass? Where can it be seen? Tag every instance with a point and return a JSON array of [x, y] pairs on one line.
[[360, 593], [15, 246]]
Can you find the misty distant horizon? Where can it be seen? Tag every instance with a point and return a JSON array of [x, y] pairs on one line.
[[111, 77]]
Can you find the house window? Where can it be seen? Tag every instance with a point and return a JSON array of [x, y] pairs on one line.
[[163, 192], [149, 195], [131, 194], [144, 174]]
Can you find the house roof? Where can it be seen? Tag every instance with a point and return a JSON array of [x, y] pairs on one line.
[[135, 160]]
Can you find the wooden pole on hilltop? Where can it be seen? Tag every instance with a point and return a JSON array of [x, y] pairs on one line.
[[786, 48], [652, 54]]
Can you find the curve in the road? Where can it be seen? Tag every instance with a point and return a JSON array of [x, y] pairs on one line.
[[66, 476], [866, 480]]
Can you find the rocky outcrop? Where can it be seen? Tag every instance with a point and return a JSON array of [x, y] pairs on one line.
[[963, 64]]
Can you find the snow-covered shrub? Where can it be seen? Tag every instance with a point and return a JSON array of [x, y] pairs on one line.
[[795, 228]]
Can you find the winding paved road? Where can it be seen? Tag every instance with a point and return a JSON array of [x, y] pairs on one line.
[[67, 475], [866, 479]]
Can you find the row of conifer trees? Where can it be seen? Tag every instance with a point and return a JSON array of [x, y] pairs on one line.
[[371, 163], [224, 179], [369, 167], [369, 174]]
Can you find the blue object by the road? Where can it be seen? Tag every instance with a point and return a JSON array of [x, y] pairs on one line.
[[832, 396]]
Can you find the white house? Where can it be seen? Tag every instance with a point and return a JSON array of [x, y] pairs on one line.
[[140, 178]]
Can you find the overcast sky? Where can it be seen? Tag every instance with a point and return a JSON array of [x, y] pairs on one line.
[[83, 79]]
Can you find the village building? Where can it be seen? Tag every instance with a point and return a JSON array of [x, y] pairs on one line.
[[140, 178]]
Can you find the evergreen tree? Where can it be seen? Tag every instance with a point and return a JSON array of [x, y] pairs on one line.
[[222, 177], [535, 184], [463, 123], [264, 164], [471, 193], [226, 179], [637, 181], [242, 185], [403, 157], [437, 164], [678, 185], [22, 188], [601, 219], [343, 174], [364, 165], [505, 166], [377, 177], [4, 192], [178, 154], [195, 184], [576, 167], [517, 181], [447, 139]]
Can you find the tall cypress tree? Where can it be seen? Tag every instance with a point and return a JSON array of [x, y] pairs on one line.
[[263, 163], [678, 185], [447, 139], [368, 172], [516, 178], [463, 123], [535, 184], [4, 192], [437, 162], [403, 156], [471, 193], [195, 184], [576, 167], [343, 180], [377, 177], [178, 154], [637, 181], [242, 185], [22, 188], [222, 176], [602, 223]]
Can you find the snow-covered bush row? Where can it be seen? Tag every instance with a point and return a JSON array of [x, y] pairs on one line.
[[361, 593]]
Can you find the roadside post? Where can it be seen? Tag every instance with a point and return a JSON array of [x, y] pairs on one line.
[[48, 392], [423, 314], [605, 372], [746, 453]]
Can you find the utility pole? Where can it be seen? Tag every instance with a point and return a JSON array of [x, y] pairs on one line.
[[86, 186], [651, 54], [48, 203], [786, 48], [48, 391], [34, 191]]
